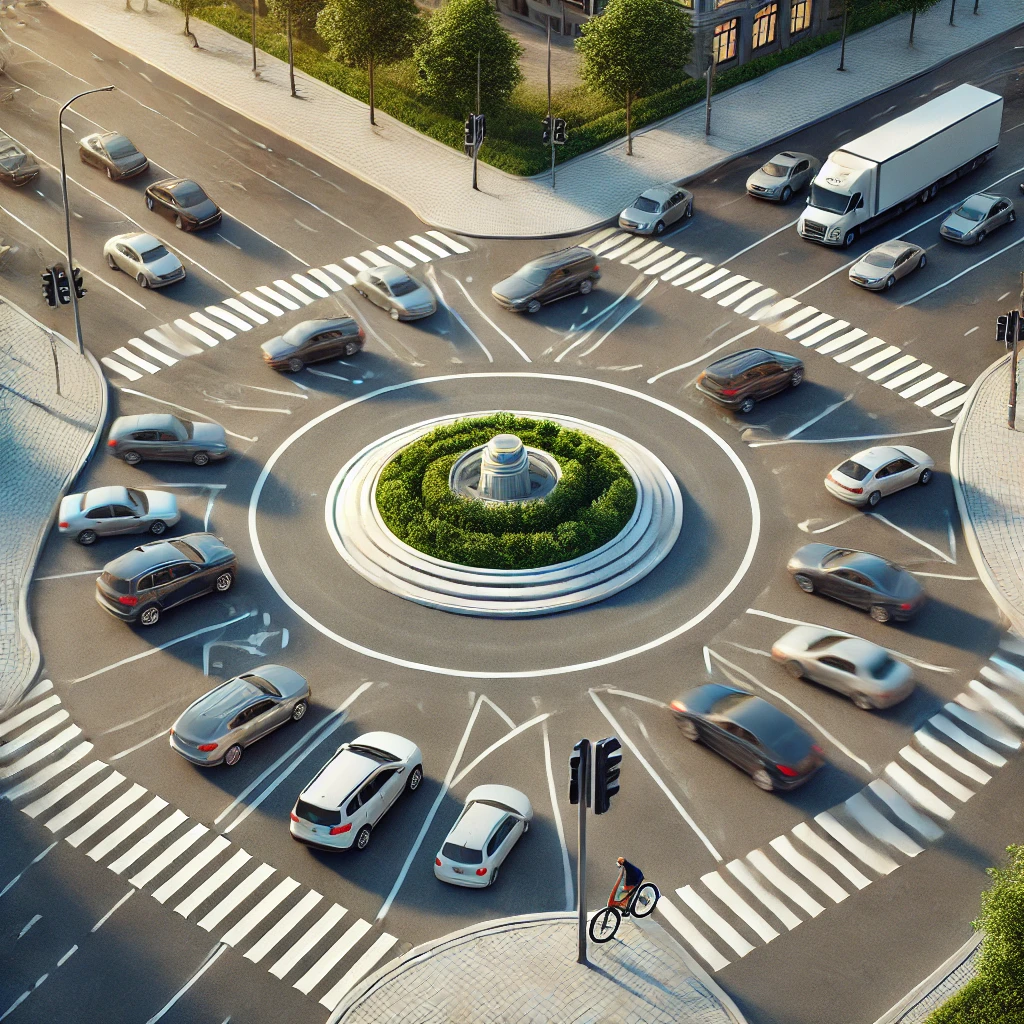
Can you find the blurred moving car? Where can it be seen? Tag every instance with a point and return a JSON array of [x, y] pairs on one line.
[[144, 257], [143, 583], [758, 738], [313, 341], [106, 511], [394, 290], [483, 836], [882, 588], [184, 202], [548, 278], [782, 176], [17, 165], [745, 378], [977, 217], [215, 728], [880, 268], [865, 478], [866, 673], [351, 793], [655, 209], [163, 436], [114, 153]]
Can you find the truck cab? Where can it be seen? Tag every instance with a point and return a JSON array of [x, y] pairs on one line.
[[842, 198]]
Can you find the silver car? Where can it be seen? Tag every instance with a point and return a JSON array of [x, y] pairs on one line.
[[783, 175], [215, 728], [654, 210], [393, 289], [866, 673], [879, 269], [864, 478], [164, 436], [144, 257], [105, 511], [977, 217]]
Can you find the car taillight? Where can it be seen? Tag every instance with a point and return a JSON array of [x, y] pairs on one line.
[[839, 483], [293, 816], [128, 600], [481, 872], [855, 490], [788, 772], [112, 443], [677, 705], [362, 334], [730, 391], [339, 829], [906, 606], [207, 747], [597, 266], [437, 861], [817, 749], [63, 526]]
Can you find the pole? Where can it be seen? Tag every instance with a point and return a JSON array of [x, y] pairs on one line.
[[842, 49], [709, 73], [476, 124], [67, 211], [581, 861], [1012, 407], [56, 362], [254, 37], [291, 55], [952, 10], [551, 129], [975, 6]]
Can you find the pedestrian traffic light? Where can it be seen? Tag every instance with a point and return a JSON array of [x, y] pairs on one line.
[[607, 758], [547, 130], [469, 142], [49, 286], [63, 283], [481, 129], [1013, 328], [76, 278], [578, 772], [559, 132], [1001, 325]]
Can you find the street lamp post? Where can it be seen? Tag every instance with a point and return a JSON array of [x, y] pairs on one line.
[[67, 211], [842, 48], [254, 37]]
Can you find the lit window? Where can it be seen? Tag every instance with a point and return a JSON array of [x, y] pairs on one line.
[[800, 16], [764, 25], [725, 40], [723, 3]]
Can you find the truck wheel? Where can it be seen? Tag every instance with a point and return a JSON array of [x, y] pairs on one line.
[[850, 238], [925, 196]]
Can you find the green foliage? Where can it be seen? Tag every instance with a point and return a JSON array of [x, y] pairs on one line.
[[304, 12], [591, 504]]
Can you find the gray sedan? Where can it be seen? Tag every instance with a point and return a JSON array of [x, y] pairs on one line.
[[879, 269], [654, 210], [105, 511], [866, 673], [976, 218], [783, 175], [145, 258], [394, 290], [163, 436], [114, 153], [215, 728]]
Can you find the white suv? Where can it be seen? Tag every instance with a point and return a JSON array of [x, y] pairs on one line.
[[349, 795]]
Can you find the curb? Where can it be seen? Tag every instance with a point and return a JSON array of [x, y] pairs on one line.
[[1010, 615]]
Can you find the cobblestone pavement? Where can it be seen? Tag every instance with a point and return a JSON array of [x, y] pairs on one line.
[[44, 440], [434, 180], [524, 971]]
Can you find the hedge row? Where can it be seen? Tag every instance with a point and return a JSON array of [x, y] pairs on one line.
[[591, 504], [982, 1001]]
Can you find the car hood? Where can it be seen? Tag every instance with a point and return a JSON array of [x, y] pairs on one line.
[[869, 270], [161, 503], [423, 296], [205, 209], [765, 180], [514, 288], [809, 556], [638, 216], [209, 433], [70, 506], [168, 264], [210, 547], [278, 348], [961, 224], [129, 163]]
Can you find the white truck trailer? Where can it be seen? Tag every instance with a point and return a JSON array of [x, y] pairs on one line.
[[881, 174]]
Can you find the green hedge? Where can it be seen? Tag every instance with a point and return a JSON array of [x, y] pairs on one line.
[[981, 1002], [590, 505]]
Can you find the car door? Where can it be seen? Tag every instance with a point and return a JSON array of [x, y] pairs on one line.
[[327, 345], [836, 673], [837, 584], [146, 443], [673, 210], [190, 581], [261, 719], [123, 519], [163, 203], [895, 476], [859, 590], [92, 153], [800, 174], [100, 519], [160, 589], [371, 803], [503, 839], [123, 258], [999, 214], [392, 784], [741, 747], [715, 734], [377, 292], [774, 377]]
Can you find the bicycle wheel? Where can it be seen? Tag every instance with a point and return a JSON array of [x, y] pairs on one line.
[[604, 924], [646, 899]]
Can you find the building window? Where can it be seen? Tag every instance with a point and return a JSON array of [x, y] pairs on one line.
[[725, 40], [764, 25], [800, 16], [724, 3]]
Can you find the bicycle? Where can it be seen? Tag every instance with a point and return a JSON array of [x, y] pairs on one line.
[[642, 901]]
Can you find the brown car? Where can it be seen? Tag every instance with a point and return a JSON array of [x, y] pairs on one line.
[[744, 378], [114, 153], [313, 341]]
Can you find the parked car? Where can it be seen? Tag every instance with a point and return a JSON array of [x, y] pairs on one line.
[[865, 478], [143, 583], [313, 341], [866, 673], [783, 176], [215, 728], [17, 165], [351, 793], [393, 289], [163, 436], [880, 268], [184, 202], [758, 738], [858, 578], [744, 378], [483, 836], [144, 257], [105, 511], [977, 217], [547, 279], [654, 210], [114, 153]]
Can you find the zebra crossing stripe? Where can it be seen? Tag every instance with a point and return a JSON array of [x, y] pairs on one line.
[[380, 946], [229, 318], [325, 279], [28, 714], [733, 297], [242, 891], [30, 736], [623, 248], [133, 824], [789, 853], [937, 775], [609, 243], [706, 279], [875, 358], [859, 350], [355, 263], [682, 268], [923, 385], [946, 753], [341, 946], [241, 307], [213, 883], [644, 250], [955, 733], [188, 871], [430, 246], [656, 254], [664, 264], [913, 790], [599, 237], [948, 407], [890, 368], [948, 388], [739, 906], [84, 802], [296, 293], [917, 821], [995, 701], [693, 275], [756, 301], [51, 771], [205, 321], [875, 859], [272, 937], [693, 937], [774, 311], [169, 856], [403, 261], [340, 273], [879, 826], [111, 811], [907, 376], [148, 841], [784, 883], [445, 240], [207, 339], [723, 286], [374, 260], [810, 838], [270, 902], [131, 357], [743, 874], [167, 336], [414, 252], [311, 286], [787, 323], [120, 368], [714, 920], [811, 325], [308, 940], [152, 350], [80, 778], [64, 737], [267, 307], [986, 724], [842, 341], [277, 297], [825, 332]]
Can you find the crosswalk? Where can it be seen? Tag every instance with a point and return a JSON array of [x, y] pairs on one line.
[[882, 363], [205, 328], [750, 901], [48, 771]]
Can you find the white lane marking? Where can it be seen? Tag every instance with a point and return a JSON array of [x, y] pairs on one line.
[[784, 883], [272, 937], [784, 847], [756, 302], [202, 318], [436, 285], [902, 809], [499, 743], [233, 245], [827, 529], [69, 575], [846, 440], [842, 341], [967, 334], [622, 249], [129, 356], [241, 892], [169, 339], [310, 285], [874, 822], [111, 811], [372, 955], [44, 803], [785, 325], [167, 857], [267, 307], [24, 995], [110, 913], [325, 279], [341, 946], [609, 243], [910, 536], [622, 319], [890, 368], [341, 273], [690, 275], [31, 735], [705, 280], [277, 297], [946, 753], [67, 956], [153, 351], [825, 332], [35, 860], [395, 255], [269, 903], [84, 802], [213, 957], [249, 227], [875, 859], [742, 873], [739, 906], [557, 815], [875, 358], [29, 713], [308, 940], [51, 771], [599, 237], [728, 284], [692, 935], [948, 407], [810, 838], [986, 724], [857, 350], [808, 326], [207, 339], [908, 375], [923, 385], [229, 318], [430, 246], [702, 357], [374, 260], [139, 745], [937, 775], [956, 277], [714, 920], [733, 297], [445, 240], [995, 701], [147, 842], [133, 824], [32, 921], [637, 696], [200, 895], [591, 325], [412, 251], [192, 868], [120, 368], [289, 289], [955, 733], [828, 410], [902, 780], [770, 313], [664, 264], [941, 392], [497, 710], [645, 258], [472, 302], [754, 245]]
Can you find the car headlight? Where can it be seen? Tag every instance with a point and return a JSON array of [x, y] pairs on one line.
[[835, 234], [643, 225]]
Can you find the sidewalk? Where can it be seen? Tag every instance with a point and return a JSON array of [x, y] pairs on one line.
[[987, 463], [45, 439], [523, 970], [434, 181]]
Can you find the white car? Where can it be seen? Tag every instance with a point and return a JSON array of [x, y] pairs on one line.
[[483, 836], [351, 793], [105, 511], [144, 257], [864, 478]]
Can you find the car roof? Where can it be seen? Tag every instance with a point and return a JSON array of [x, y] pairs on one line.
[[143, 559], [106, 496], [740, 361], [854, 649], [891, 248], [147, 421], [862, 561], [764, 720], [226, 700], [503, 796], [786, 157], [659, 193], [342, 775], [875, 458], [475, 825], [390, 273], [572, 254], [307, 328], [140, 240]]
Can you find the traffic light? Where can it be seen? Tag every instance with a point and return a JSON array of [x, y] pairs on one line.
[[1013, 328], [49, 286], [607, 758], [559, 132], [469, 142], [60, 277], [578, 772], [481, 129], [546, 136], [1001, 328], [76, 278]]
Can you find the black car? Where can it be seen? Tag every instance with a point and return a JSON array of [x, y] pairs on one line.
[[858, 578], [114, 153], [768, 745], [183, 201], [313, 341], [17, 165], [744, 378], [142, 584], [548, 278]]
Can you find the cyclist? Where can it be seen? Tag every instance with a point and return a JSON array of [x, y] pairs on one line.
[[630, 876]]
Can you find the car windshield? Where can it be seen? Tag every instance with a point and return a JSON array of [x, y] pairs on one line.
[[533, 275], [854, 470], [403, 287], [461, 854], [825, 642], [790, 745], [881, 664], [191, 553], [158, 252], [10, 158], [116, 584], [826, 199], [645, 205], [975, 209], [317, 815], [835, 556], [189, 429], [775, 170], [729, 702], [879, 259], [118, 147], [139, 498], [188, 193], [262, 684], [382, 756]]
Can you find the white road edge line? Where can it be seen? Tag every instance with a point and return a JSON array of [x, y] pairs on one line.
[[570, 894]]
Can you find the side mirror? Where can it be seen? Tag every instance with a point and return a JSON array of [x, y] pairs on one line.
[[807, 201], [860, 205]]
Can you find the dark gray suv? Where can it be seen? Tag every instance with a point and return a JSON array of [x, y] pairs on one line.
[[548, 278], [163, 436]]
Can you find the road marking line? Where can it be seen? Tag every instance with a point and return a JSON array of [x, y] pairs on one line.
[[599, 237], [788, 323], [804, 832], [910, 536], [986, 724], [811, 325], [35, 860], [275, 934], [557, 815], [277, 297], [296, 293], [133, 824], [946, 753], [202, 318], [397, 256], [733, 297], [715, 275], [147, 842], [152, 350], [380, 946], [913, 790], [325, 279], [726, 285], [688, 264], [29, 713], [648, 252], [690, 933], [907, 376], [739, 906], [784, 847], [242, 891], [872, 821], [784, 883], [642, 259], [412, 251], [691, 275], [714, 920], [229, 318], [191, 869], [956, 277], [774, 311], [925, 767], [311, 286], [374, 260], [341, 946], [948, 388], [213, 883], [498, 743], [32, 757], [864, 346], [507, 337], [875, 859], [756, 301], [209, 962], [609, 243], [131, 357], [955, 733], [948, 407], [997, 702], [51, 771], [120, 368], [875, 358], [341, 273], [240, 307], [664, 264], [742, 873], [44, 803], [828, 410], [267, 307], [207, 339], [308, 940], [270, 902], [825, 332], [890, 368], [923, 385], [902, 809], [171, 854], [172, 339], [37, 691], [430, 246], [84, 802], [622, 249], [445, 240], [754, 245], [842, 341], [67, 956], [111, 811], [110, 913]]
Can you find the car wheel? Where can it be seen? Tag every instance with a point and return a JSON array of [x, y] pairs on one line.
[[981, 238], [112, 263], [925, 478], [363, 838], [586, 287], [874, 498], [351, 348], [923, 261], [132, 458], [805, 583], [150, 615], [149, 202], [862, 702], [763, 780], [1012, 217], [415, 778], [143, 281], [747, 405], [534, 306], [795, 669], [925, 196], [850, 238], [299, 711], [233, 755], [157, 527], [87, 537], [889, 282], [393, 313], [110, 174], [494, 877], [880, 613], [689, 729], [787, 194], [224, 581], [796, 378], [295, 364], [659, 228], [200, 459], [689, 209], [526, 827], [179, 224]]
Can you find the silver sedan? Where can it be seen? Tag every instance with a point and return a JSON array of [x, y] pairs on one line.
[[879, 269], [144, 257], [864, 478], [783, 175], [393, 289], [105, 511], [866, 673], [215, 728], [656, 209], [977, 217]]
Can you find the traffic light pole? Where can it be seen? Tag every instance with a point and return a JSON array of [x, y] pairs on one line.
[[1012, 407], [476, 124], [581, 861]]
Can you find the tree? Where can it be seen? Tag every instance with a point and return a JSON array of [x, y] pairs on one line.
[[188, 8], [369, 34], [915, 7], [287, 12], [447, 59], [635, 48]]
